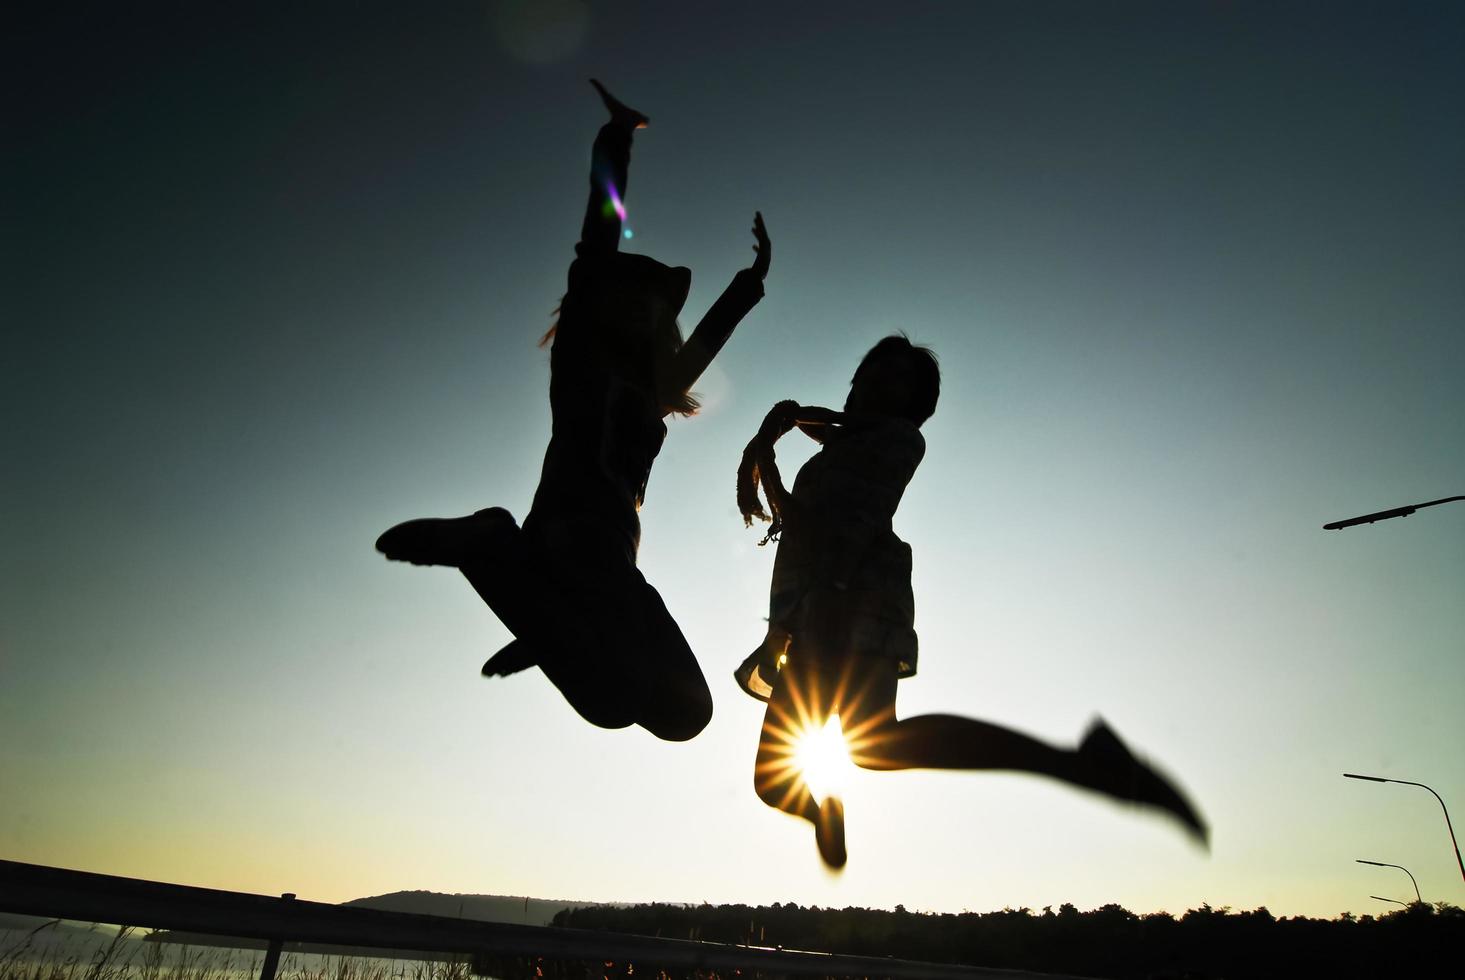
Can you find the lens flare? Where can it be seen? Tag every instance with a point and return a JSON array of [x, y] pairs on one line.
[[805, 746], [615, 200], [822, 757]]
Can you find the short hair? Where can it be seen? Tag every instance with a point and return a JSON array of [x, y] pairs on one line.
[[922, 367]]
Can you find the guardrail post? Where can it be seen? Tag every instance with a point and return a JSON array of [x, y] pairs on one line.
[[272, 957]]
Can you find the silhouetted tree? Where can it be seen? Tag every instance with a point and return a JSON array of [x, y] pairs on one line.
[[1109, 941]]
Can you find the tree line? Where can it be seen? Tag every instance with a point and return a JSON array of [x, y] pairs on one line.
[[1109, 941]]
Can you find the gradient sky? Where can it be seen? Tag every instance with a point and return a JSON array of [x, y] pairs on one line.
[[273, 282]]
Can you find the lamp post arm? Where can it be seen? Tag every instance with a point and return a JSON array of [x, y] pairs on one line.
[[1385, 864], [1417, 898], [1448, 825], [1384, 515], [1407, 782]]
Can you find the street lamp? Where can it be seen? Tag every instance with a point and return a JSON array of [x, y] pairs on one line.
[[1405, 782], [1394, 900], [1384, 515], [1381, 864]]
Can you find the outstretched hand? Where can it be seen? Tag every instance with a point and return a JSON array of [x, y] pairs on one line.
[[764, 247]]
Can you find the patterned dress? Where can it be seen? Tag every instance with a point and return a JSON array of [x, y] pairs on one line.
[[839, 553]]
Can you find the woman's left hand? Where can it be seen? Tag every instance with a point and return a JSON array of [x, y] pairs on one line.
[[764, 247]]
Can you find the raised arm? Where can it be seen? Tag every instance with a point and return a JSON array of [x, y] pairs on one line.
[[741, 295]]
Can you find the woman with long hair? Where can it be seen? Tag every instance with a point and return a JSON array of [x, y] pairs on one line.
[[566, 582]]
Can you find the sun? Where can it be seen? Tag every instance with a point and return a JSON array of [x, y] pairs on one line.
[[805, 747], [822, 757]]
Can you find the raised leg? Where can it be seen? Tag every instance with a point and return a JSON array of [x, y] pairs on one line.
[[569, 633], [678, 705], [796, 706], [1101, 762], [581, 610], [610, 161], [801, 703], [861, 690], [516, 655], [636, 668], [449, 541]]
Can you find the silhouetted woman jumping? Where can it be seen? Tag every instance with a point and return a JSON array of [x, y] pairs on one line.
[[566, 583], [841, 613]]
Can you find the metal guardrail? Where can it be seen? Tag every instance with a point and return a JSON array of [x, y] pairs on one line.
[[58, 893]]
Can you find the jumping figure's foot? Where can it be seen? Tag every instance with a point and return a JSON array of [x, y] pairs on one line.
[[445, 541], [1107, 765], [514, 657], [620, 113], [829, 833]]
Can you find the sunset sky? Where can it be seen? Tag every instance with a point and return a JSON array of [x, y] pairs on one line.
[[273, 282]]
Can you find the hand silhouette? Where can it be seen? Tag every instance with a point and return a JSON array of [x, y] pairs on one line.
[[764, 247]]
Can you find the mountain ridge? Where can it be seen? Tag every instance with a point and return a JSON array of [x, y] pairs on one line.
[[517, 909]]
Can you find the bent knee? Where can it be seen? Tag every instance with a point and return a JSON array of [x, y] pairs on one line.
[[604, 705], [683, 724], [774, 781], [606, 714]]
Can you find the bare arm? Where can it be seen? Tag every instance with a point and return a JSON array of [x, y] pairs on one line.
[[717, 325], [760, 464], [819, 424], [764, 465]]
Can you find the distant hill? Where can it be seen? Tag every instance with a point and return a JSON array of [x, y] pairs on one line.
[[486, 908], [27, 923], [483, 908]]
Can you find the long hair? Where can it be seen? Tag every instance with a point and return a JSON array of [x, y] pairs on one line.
[[632, 307]]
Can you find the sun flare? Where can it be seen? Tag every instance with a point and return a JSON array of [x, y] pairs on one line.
[[809, 744], [822, 757]]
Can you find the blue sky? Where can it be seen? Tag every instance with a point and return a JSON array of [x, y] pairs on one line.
[[274, 283]]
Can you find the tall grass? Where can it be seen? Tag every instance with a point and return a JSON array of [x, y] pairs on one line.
[[38, 955]]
